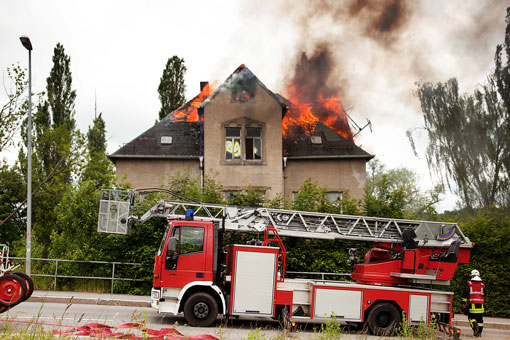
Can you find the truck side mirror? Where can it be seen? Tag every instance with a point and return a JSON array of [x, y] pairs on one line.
[[172, 245]]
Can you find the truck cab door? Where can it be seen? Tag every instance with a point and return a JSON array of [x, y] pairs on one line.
[[185, 258]]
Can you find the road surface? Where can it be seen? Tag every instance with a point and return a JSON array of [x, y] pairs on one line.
[[59, 316]]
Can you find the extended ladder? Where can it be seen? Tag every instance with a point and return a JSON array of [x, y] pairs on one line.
[[116, 213]]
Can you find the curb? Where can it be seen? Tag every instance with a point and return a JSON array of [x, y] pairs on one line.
[[88, 301], [492, 325]]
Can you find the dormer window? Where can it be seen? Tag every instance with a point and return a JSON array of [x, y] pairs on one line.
[[166, 140]]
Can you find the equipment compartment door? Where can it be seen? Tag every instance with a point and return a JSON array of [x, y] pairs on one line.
[[345, 304], [254, 282], [418, 308]]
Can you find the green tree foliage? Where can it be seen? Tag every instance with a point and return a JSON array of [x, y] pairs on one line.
[[311, 197], [502, 78], [467, 140], [469, 135], [12, 193], [12, 112], [98, 166], [57, 150], [490, 231], [171, 86], [502, 71], [186, 185], [396, 193], [247, 198]]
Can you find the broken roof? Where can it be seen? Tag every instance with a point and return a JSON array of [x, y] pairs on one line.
[[322, 142], [179, 135], [241, 84]]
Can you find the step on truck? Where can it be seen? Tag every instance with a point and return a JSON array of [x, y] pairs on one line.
[[195, 274]]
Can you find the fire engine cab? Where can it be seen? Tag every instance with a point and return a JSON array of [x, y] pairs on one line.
[[196, 275]]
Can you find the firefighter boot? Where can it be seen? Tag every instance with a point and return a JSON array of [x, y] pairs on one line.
[[474, 326]]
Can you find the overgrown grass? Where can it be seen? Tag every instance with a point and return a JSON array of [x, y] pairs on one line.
[[422, 332]]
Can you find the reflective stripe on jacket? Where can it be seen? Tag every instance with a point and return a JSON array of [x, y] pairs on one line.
[[476, 292]]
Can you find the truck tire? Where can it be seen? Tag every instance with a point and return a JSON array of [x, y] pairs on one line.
[[383, 318], [28, 282], [201, 310], [12, 290]]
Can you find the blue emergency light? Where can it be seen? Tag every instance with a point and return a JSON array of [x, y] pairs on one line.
[[189, 214]]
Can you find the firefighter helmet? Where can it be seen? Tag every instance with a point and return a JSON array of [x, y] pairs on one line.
[[475, 272]]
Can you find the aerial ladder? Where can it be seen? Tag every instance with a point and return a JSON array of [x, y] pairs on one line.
[[406, 252]]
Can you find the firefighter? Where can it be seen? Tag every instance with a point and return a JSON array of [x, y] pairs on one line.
[[473, 300]]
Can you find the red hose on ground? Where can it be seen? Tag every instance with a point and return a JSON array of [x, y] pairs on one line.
[[98, 330]]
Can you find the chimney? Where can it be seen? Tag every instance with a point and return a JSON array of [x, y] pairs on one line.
[[203, 84]]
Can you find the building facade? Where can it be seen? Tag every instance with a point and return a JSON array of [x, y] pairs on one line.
[[235, 136]]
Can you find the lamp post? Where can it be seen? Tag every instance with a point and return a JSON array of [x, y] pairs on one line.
[[28, 45]]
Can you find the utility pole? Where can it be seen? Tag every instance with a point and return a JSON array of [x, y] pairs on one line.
[[28, 45]]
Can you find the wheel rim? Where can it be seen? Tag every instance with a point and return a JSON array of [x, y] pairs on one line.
[[383, 319], [201, 310], [10, 290]]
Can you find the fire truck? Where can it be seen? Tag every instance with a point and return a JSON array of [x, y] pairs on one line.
[[194, 273]]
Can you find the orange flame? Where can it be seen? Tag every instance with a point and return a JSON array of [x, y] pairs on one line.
[[189, 111], [303, 117]]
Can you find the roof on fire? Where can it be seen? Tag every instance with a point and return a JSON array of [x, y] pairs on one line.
[[181, 139], [242, 80]]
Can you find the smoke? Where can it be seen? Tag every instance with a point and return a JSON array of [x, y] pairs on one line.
[[310, 78]]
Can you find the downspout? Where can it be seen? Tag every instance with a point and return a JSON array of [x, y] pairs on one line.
[[283, 177], [201, 159]]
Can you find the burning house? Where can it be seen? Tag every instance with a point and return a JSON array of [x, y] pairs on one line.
[[246, 136]]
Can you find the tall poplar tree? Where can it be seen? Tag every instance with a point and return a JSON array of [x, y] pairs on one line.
[[98, 167], [171, 86], [56, 153]]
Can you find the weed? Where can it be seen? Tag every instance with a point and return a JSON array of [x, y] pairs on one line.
[[330, 330], [254, 335], [422, 332]]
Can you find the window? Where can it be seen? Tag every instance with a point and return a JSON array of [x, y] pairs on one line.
[[253, 143], [189, 239], [332, 196], [243, 143], [233, 143]]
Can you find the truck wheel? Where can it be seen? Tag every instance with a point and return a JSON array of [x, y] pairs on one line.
[[383, 319], [201, 309], [29, 283], [12, 290]]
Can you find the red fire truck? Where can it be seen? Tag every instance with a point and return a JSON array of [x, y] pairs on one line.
[[196, 275]]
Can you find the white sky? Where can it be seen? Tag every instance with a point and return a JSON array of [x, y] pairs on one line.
[[118, 50]]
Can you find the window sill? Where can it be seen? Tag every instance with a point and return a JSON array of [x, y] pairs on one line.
[[243, 162]]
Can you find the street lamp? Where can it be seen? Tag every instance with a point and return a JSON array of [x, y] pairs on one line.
[[28, 45]]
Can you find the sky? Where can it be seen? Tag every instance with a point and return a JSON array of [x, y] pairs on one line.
[[380, 50]]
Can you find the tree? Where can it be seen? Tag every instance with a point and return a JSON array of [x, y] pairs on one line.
[[98, 167], [171, 86], [396, 193], [57, 150], [12, 192], [468, 140], [11, 113], [469, 135], [502, 77]]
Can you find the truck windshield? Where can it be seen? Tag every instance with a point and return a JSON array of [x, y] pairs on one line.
[[163, 241]]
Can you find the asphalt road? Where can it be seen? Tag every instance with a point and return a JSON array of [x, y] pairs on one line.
[[59, 316]]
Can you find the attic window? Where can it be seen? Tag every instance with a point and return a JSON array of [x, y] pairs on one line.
[[166, 139], [316, 139]]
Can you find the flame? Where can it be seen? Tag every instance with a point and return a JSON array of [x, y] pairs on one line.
[[189, 111], [302, 117]]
